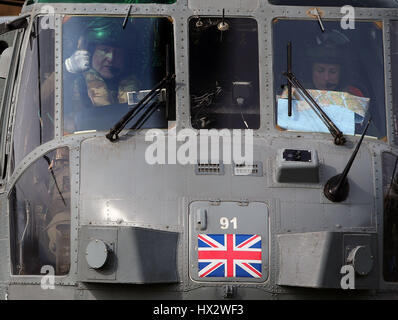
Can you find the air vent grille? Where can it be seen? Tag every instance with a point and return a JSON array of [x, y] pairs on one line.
[[255, 169], [209, 169]]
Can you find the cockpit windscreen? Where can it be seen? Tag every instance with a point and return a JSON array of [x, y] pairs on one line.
[[109, 65], [224, 74], [342, 69]]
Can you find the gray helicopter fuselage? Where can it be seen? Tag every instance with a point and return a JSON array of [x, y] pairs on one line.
[[133, 227]]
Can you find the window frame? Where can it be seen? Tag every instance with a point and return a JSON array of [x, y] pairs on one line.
[[259, 68], [323, 135], [34, 23], [60, 58], [7, 104]]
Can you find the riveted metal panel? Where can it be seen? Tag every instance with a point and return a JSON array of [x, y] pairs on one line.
[[58, 132], [308, 201], [305, 262], [231, 4], [3, 220], [135, 255], [147, 256], [315, 259], [251, 218], [33, 292], [4, 261]]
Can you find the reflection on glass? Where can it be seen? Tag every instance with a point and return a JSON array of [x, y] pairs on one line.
[[108, 69], [34, 123], [343, 70], [40, 216], [224, 75]]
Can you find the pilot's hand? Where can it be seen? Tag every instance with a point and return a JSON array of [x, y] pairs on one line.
[[78, 62]]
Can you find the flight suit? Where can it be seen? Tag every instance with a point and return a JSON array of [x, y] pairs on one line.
[[101, 92]]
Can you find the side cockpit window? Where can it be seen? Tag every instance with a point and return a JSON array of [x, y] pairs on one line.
[[394, 69], [8, 47], [34, 121], [6, 42], [342, 70], [224, 73], [39, 206]]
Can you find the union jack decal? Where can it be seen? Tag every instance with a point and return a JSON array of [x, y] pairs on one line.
[[229, 255]]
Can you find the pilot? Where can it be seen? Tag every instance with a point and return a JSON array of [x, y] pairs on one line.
[[101, 60], [328, 60]]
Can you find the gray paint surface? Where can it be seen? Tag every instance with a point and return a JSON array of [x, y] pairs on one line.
[[113, 186]]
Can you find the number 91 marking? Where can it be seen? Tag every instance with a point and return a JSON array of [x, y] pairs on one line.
[[224, 221]]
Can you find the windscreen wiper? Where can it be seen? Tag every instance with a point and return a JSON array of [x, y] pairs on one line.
[[289, 85], [18, 23], [145, 116], [338, 136], [113, 134]]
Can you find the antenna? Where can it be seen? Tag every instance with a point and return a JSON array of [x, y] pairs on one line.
[[126, 18], [337, 187]]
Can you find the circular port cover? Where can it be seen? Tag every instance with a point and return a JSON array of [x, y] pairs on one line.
[[96, 254], [362, 260]]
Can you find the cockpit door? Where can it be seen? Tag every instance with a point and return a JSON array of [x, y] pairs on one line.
[[229, 241]]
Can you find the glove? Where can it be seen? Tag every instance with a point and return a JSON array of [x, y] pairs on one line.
[[78, 62]]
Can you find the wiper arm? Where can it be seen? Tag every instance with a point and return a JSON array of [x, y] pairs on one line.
[[113, 134], [339, 138], [289, 85], [18, 23], [144, 117]]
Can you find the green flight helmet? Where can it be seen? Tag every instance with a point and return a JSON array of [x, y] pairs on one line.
[[107, 31]]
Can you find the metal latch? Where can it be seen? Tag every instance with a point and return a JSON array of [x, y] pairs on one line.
[[201, 219], [229, 291]]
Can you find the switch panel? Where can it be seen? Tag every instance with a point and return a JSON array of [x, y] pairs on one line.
[[297, 166], [297, 155]]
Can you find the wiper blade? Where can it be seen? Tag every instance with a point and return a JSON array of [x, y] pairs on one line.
[[145, 116], [338, 136], [289, 85], [113, 134], [18, 23]]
